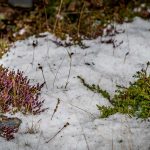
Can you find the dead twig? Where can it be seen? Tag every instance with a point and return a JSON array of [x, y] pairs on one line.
[[79, 22], [70, 64], [58, 16], [58, 71], [80, 109], [67, 124], [41, 68], [125, 57], [34, 44], [58, 102]]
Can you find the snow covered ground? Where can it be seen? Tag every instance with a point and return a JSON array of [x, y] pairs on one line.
[[100, 64]]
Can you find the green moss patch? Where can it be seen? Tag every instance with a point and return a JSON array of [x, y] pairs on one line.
[[133, 100]]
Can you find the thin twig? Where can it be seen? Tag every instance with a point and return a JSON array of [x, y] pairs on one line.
[[70, 64], [79, 22], [41, 68], [57, 71], [85, 140], [51, 70], [67, 124], [34, 44], [58, 102], [38, 144], [46, 17], [82, 109], [79, 108], [88, 148], [128, 40], [58, 14], [147, 65], [125, 57]]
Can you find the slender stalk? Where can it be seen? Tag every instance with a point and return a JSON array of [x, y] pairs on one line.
[[58, 102], [67, 124], [79, 22], [41, 68], [70, 64], [57, 17], [58, 71]]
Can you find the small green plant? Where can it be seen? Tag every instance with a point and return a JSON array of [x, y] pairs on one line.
[[95, 88], [133, 100]]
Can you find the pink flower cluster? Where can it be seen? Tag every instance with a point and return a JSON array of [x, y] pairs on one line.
[[8, 132], [16, 94]]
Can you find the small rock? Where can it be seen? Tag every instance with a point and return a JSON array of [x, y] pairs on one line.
[[9, 126], [21, 3]]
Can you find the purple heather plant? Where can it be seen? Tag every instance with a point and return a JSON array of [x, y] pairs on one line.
[[16, 94], [8, 132]]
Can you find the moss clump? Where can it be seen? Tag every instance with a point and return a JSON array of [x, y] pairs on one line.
[[133, 100], [95, 88]]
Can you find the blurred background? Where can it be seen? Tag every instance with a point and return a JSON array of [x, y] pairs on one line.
[[80, 19]]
